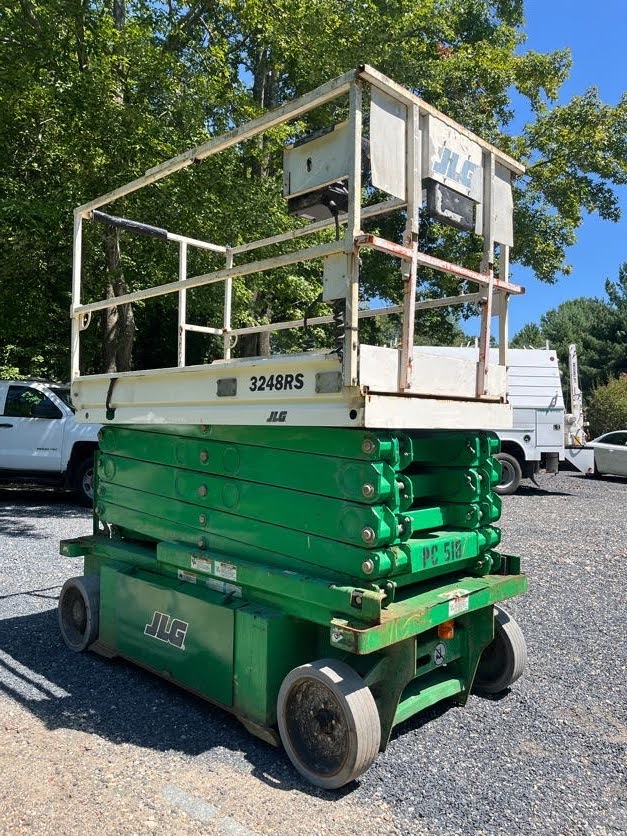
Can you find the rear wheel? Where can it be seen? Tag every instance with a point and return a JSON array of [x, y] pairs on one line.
[[79, 606], [83, 481], [504, 659], [328, 722], [511, 474]]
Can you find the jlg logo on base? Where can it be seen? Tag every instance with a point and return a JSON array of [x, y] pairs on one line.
[[167, 629]]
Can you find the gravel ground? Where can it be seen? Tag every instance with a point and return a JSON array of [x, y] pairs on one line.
[[89, 745]]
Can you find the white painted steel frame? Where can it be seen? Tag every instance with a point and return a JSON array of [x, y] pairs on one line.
[[189, 395], [409, 269], [410, 256], [353, 225]]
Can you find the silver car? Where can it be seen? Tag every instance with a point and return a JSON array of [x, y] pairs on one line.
[[610, 453]]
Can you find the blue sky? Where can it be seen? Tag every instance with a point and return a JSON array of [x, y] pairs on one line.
[[596, 35]]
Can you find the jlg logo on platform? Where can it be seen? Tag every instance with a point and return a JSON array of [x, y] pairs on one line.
[[167, 629]]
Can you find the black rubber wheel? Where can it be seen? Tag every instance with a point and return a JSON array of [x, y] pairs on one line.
[[504, 659], [79, 605], [83, 481], [328, 722], [511, 474]]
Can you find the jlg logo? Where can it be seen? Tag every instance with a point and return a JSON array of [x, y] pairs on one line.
[[167, 629], [276, 417], [448, 165]]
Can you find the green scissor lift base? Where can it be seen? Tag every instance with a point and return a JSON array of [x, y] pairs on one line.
[[331, 582]]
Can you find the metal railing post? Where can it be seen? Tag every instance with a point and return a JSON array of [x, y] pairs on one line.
[[413, 185], [182, 304], [353, 228], [487, 266], [503, 307], [77, 261], [228, 301]]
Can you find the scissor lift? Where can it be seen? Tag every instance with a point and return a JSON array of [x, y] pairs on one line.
[[307, 539]]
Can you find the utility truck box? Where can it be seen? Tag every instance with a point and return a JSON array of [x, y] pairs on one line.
[[542, 434]]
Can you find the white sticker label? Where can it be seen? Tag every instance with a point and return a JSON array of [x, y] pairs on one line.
[[439, 654], [202, 565], [186, 577], [225, 570], [457, 605], [454, 593], [337, 635], [223, 587]]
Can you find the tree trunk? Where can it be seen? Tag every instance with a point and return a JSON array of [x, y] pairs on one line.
[[119, 323], [80, 14], [109, 331], [265, 94], [257, 345], [254, 345]]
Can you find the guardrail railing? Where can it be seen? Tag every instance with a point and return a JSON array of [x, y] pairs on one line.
[[412, 147]]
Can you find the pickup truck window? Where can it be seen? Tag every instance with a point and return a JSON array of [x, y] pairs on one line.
[[63, 393], [24, 402]]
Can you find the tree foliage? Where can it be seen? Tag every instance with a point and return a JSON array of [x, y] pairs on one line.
[[529, 336], [607, 408], [597, 327], [93, 93]]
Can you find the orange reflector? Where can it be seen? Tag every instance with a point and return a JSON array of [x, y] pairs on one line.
[[446, 630]]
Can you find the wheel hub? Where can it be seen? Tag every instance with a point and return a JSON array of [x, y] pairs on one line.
[[317, 727]]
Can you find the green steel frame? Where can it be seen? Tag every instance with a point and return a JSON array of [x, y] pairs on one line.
[[228, 556]]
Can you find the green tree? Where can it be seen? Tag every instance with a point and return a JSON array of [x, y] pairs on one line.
[[584, 321], [89, 96], [587, 322], [617, 296], [529, 336], [92, 93], [607, 408], [597, 327]]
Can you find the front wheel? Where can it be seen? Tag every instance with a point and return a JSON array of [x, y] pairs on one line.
[[328, 722], [511, 474], [504, 659]]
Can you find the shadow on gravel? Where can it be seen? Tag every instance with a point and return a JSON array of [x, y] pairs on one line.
[[613, 480], [416, 722], [47, 593], [21, 508], [122, 703], [534, 490]]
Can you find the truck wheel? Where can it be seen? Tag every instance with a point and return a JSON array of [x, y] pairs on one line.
[[79, 607], [511, 474], [328, 722], [504, 659], [83, 481]]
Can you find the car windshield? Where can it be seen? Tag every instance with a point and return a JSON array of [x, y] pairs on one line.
[[63, 393]]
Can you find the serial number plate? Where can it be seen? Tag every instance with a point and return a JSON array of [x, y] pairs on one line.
[[277, 382], [446, 552]]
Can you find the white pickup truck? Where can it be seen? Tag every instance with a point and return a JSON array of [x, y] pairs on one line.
[[40, 440]]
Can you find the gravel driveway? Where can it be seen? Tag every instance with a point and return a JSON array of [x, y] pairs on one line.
[[95, 746]]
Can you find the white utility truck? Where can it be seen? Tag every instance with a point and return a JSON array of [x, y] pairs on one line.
[[543, 433], [41, 441]]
